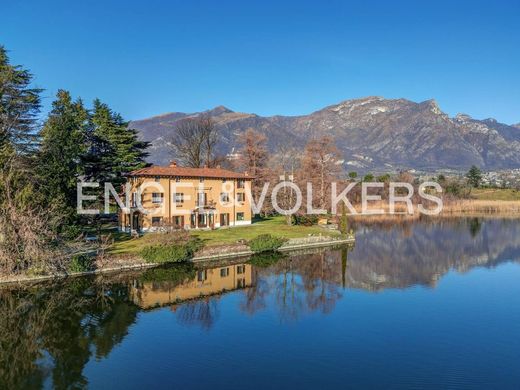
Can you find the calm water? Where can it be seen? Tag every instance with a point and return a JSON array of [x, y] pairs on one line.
[[422, 305]]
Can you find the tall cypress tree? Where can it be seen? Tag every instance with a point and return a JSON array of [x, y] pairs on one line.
[[114, 148], [62, 148], [19, 107]]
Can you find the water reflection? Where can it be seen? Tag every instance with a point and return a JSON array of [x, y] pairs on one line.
[[50, 332]]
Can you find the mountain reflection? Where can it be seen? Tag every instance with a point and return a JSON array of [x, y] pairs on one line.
[[49, 332]]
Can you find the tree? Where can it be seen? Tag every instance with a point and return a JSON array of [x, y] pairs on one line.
[[194, 140], [474, 176], [383, 178], [19, 107], [368, 177], [353, 175], [285, 165], [343, 224], [320, 167], [62, 148], [27, 228], [253, 159], [114, 148]]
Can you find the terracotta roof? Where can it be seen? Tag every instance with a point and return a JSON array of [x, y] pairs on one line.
[[219, 173]]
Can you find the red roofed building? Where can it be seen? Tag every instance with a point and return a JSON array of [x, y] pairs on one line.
[[186, 198]]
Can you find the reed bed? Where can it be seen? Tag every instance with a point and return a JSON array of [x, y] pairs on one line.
[[451, 208]]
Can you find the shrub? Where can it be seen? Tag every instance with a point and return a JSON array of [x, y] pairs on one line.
[[71, 232], [265, 243], [171, 253], [304, 219], [80, 263]]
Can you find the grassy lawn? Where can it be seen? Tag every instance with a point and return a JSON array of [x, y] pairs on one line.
[[495, 194], [275, 226]]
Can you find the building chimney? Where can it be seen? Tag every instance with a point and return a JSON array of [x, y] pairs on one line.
[[173, 163]]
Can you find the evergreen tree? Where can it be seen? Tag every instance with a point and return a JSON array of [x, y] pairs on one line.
[[114, 149], [62, 147], [368, 177], [19, 107], [474, 176]]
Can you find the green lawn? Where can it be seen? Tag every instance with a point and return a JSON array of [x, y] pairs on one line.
[[495, 194], [275, 226]]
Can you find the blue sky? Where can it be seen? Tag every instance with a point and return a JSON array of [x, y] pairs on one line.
[[149, 57]]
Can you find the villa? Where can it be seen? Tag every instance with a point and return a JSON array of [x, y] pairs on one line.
[[186, 198]]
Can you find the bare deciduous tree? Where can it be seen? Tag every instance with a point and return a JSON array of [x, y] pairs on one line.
[[320, 167], [253, 159], [194, 140], [285, 163]]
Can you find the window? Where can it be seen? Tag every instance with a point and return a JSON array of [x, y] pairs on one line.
[[241, 197], [177, 179], [224, 272], [178, 221], [202, 199], [241, 283], [157, 197], [157, 179], [241, 183], [134, 199], [156, 221], [202, 275], [179, 197], [224, 197], [241, 269], [240, 216]]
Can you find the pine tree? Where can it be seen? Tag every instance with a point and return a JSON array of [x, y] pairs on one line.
[[19, 107], [62, 148], [114, 148], [474, 176]]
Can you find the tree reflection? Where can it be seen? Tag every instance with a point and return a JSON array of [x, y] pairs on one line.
[[298, 284], [203, 313], [52, 331]]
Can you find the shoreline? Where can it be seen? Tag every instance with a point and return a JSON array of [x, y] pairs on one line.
[[294, 245]]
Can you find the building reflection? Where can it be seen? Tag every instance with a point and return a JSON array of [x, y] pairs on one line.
[[204, 283]]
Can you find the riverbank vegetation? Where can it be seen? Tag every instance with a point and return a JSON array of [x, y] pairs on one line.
[[41, 164]]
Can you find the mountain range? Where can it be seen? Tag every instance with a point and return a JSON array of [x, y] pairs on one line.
[[372, 133]]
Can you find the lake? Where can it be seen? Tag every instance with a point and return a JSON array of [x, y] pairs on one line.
[[425, 304]]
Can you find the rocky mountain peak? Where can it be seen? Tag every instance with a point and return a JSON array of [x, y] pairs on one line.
[[433, 106], [463, 117], [219, 110]]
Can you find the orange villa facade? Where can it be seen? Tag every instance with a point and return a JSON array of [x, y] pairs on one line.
[[186, 198]]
